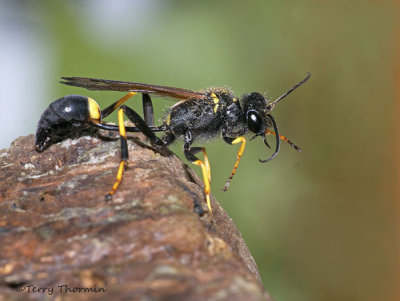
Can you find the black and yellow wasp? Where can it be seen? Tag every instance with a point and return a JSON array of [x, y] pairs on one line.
[[197, 116]]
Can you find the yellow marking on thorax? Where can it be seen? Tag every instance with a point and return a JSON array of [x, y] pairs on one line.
[[168, 119], [94, 109], [216, 101]]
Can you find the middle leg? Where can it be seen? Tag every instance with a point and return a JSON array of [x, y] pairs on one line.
[[205, 165]]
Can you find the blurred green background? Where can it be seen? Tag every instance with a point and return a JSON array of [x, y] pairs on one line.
[[322, 224]]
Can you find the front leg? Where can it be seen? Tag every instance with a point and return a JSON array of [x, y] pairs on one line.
[[231, 141]]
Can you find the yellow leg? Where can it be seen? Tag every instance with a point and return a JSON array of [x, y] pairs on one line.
[[107, 111], [124, 153], [119, 178], [284, 139], [206, 163], [121, 124], [123, 99], [239, 155], [205, 168]]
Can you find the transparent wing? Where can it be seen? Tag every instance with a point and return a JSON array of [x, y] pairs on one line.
[[96, 84]]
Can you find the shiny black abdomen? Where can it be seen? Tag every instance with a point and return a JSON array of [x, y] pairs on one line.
[[64, 118]]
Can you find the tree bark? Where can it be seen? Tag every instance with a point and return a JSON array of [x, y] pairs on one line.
[[58, 236]]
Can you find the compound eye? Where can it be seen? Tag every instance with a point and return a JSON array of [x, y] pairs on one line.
[[255, 122]]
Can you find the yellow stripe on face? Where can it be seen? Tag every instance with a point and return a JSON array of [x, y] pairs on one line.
[[94, 109]]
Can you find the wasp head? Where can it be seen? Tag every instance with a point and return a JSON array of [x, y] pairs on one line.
[[258, 119], [254, 106]]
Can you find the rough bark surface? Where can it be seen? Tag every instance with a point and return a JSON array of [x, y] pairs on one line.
[[57, 232]]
